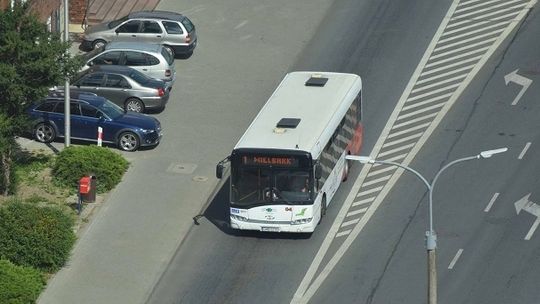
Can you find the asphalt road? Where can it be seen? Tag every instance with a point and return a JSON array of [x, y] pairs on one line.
[[244, 50], [482, 254]]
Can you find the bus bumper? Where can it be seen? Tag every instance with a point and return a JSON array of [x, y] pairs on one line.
[[301, 228]]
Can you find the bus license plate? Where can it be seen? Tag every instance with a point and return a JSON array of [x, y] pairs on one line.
[[270, 229]]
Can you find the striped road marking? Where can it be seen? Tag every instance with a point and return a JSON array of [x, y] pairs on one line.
[[470, 33]]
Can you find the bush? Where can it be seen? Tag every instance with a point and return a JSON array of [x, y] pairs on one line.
[[74, 162], [30, 235], [18, 284]]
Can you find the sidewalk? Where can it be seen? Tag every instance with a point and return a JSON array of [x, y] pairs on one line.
[[106, 10]]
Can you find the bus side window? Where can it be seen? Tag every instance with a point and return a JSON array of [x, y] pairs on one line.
[[358, 102]]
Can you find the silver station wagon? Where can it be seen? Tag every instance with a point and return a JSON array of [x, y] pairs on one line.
[[173, 30], [150, 59], [126, 87]]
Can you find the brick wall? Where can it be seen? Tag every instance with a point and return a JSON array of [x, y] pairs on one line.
[[44, 8], [77, 9]]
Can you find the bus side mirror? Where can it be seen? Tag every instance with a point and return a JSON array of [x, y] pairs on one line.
[[219, 170], [220, 166], [318, 171]]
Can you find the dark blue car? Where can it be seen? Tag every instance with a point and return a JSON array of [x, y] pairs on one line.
[[128, 130]]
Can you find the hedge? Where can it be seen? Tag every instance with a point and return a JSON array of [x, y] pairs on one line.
[[74, 162], [19, 284], [31, 235]]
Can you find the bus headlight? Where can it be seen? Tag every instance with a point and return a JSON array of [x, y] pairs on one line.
[[301, 221], [239, 218]]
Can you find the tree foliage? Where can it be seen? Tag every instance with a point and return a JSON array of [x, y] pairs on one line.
[[19, 284], [32, 59], [31, 235]]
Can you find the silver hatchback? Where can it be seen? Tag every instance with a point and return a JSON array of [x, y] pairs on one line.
[[173, 30], [150, 59]]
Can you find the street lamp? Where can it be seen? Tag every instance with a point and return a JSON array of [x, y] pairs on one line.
[[431, 237]]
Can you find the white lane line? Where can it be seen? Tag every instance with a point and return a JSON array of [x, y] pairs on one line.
[[505, 3], [490, 204], [313, 279], [395, 142], [527, 145], [241, 24], [479, 23], [409, 130], [533, 228], [392, 151], [364, 201], [427, 101], [467, 2], [438, 83], [412, 121], [515, 8], [377, 189], [461, 10], [395, 158], [377, 180], [351, 222], [474, 38], [467, 47], [426, 109], [485, 17], [342, 233], [456, 257], [455, 58], [380, 170], [359, 211], [433, 92], [451, 72]]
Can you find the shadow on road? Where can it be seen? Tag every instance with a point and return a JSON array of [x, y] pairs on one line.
[[217, 213]]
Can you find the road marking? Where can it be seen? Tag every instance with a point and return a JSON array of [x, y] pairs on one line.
[[490, 204], [460, 42], [451, 72], [364, 201], [527, 145], [317, 273], [408, 122], [351, 222], [533, 228], [525, 204], [454, 260], [241, 24], [355, 212], [380, 170], [522, 81], [390, 152], [420, 96], [369, 191], [436, 84], [460, 10], [378, 180], [409, 130]]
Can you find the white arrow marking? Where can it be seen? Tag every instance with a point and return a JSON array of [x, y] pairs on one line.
[[522, 81], [525, 204]]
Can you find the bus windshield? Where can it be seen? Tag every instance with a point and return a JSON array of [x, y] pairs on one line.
[[265, 185]]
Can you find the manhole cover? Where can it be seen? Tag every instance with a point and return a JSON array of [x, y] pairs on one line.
[[200, 178], [182, 168]]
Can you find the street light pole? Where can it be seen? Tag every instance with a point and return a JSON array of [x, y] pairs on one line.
[[431, 236], [67, 99]]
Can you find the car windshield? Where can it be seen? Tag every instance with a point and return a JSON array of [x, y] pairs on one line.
[[139, 77], [110, 109], [260, 186], [116, 22]]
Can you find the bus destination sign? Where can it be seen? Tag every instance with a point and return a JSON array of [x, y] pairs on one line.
[[281, 161]]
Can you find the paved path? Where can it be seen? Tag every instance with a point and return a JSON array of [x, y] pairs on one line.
[[241, 57]]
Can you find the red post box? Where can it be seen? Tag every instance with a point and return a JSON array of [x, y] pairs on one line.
[[87, 188]]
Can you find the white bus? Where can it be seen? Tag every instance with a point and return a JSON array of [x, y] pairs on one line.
[[291, 160]]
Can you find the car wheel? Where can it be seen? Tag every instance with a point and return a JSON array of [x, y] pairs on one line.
[[128, 141], [134, 105], [98, 43], [44, 133], [169, 50]]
